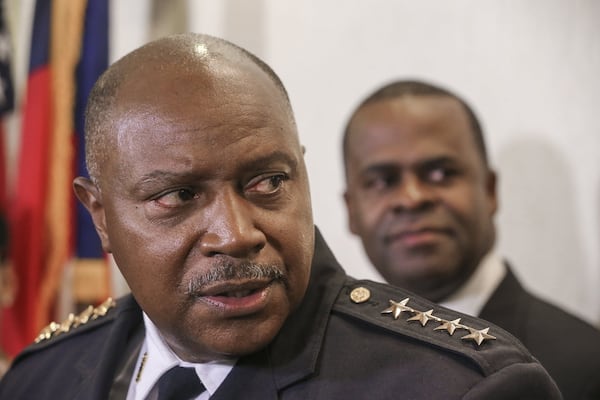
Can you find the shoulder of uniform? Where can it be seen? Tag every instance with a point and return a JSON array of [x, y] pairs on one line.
[[90, 318], [409, 315]]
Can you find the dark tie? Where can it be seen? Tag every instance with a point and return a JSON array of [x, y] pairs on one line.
[[179, 383]]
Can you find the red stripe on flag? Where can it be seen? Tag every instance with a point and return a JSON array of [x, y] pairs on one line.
[[28, 235]]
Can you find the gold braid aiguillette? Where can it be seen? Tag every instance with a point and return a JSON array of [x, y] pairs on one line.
[[73, 321]]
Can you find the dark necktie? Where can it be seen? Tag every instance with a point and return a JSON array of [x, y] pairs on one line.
[[179, 383]]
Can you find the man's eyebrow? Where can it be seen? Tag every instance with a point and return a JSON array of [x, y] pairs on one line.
[[268, 160], [440, 160], [390, 166], [158, 177], [380, 167]]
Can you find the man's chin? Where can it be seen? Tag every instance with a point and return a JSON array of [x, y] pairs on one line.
[[233, 340]]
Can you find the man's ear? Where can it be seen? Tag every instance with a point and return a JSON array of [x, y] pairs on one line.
[[491, 189], [89, 195], [350, 212]]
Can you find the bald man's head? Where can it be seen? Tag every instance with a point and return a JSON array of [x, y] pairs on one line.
[[186, 53]]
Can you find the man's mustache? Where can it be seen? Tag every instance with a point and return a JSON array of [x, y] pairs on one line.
[[225, 270]]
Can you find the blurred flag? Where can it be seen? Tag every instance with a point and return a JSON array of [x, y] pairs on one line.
[[6, 106], [69, 49], [6, 100]]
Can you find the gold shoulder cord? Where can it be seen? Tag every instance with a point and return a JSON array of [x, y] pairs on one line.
[[73, 321]]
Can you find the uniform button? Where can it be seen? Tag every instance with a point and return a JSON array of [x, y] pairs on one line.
[[360, 295]]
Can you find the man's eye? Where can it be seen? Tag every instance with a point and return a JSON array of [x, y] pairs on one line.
[[439, 175], [267, 185], [381, 182], [176, 198]]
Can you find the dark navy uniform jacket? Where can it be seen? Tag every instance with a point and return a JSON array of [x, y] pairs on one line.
[[346, 341]]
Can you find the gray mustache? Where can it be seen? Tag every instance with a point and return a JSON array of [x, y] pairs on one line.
[[227, 271]]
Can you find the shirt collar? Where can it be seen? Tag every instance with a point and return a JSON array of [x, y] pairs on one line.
[[156, 358], [477, 290]]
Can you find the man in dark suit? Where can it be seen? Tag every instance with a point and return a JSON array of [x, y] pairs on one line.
[[199, 189], [421, 196]]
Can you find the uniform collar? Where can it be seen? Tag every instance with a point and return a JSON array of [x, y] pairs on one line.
[[295, 351], [472, 296], [156, 358]]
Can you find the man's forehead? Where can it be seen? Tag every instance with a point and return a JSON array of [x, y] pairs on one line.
[[147, 79], [187, 113], [410, 117], [393, 139], [412, 107], [154, 78]]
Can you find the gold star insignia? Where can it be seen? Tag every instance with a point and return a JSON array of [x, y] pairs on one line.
[[449, 326], [479, 336], [396, 308], [422, 317]]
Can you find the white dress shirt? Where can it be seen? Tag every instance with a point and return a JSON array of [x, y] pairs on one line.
[[477, 290], [156, 358]]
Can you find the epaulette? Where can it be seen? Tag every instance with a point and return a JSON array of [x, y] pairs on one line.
[[91, 313], [405, 313]]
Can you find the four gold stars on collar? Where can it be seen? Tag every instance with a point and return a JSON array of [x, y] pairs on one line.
[[397, 308]]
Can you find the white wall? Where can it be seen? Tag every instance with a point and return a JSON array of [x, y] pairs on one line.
[[529, 68]]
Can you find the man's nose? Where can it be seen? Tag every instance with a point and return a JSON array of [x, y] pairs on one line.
[[231, 229], [411, 194]]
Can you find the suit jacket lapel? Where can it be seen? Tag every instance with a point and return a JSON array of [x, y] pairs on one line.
[[508, 305]]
